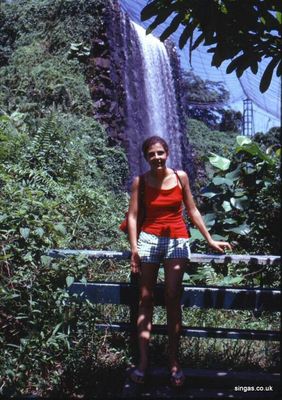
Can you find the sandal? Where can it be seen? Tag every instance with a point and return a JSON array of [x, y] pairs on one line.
[[137, 376], [177, 378]]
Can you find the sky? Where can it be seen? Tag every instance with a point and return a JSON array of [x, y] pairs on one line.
[[267, 106]]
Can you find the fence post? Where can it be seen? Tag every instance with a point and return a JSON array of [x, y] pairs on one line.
[[134, 281]]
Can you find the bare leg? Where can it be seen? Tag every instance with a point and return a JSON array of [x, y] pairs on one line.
[[174, 270], [149, 273]]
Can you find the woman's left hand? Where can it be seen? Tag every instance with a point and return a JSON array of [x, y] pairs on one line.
[[220, 246]]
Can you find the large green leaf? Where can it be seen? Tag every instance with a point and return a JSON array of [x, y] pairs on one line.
[[240, 203], [45, 260], [172, 27], [267, 75], [219, 162], [230, 221], [4, 118], [243, 229], [235, 174], [242, 140], [209, 219], [253, 149], [69, 280], [186, 277], [25, 233], [231, 280], [239, 192], [60, 228], [219, 237], [218, 180], [209, 195], [195, 235], [227, 206], [39, 231], [149, 10]]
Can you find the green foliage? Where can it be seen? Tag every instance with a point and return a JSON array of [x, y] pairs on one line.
[[53, 194], [61, 186], [207, 101], [270, 139], [245, 199], [231, 121], [205, 141], [55, 22], [34, 79], [79, 51], [204, 100], [241, 204], [36, 42], [197, 90], [242, 32], [208, 274]]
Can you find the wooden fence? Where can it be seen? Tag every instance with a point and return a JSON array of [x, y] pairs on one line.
[[256, 299], [199, 383]]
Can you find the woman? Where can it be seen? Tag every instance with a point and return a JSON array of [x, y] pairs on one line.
[[163, 238]]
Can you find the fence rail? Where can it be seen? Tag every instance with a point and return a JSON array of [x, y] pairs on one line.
[[195, 258]]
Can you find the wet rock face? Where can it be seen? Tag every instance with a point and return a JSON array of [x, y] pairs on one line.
[[104, 75], [188, 164]]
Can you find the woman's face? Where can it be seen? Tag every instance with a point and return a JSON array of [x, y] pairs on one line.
[[156, 156]]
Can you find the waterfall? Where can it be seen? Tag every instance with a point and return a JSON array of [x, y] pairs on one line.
[[151, 107]]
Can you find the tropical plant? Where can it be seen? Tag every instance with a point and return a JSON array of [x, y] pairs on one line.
[[242, 32], [204, 140], [241, 204], [270, 138], [243, 197], [53, 194], [203, 100], [43, 47], [231, 121]]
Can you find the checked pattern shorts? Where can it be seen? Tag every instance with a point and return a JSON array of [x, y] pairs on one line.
[[155, 249]]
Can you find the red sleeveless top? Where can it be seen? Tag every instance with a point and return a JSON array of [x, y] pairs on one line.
[[163, 212]]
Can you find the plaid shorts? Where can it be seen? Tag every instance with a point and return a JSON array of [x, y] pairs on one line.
[[154, 249]]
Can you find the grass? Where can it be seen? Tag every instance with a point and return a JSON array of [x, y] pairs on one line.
[[113, 358]]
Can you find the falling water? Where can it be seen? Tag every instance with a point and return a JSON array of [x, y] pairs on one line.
[[150, 97]]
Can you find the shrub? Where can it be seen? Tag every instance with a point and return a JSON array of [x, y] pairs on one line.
[[204, 140], [244, 196], [53, 195], [35, 40]]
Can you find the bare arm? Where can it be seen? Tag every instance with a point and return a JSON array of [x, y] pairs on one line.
[[196, 217], [132, 225]]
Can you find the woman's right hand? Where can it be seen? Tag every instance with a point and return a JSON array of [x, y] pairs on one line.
[[135, 262]]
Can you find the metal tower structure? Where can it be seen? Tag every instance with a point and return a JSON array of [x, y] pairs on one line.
[[248, 118]]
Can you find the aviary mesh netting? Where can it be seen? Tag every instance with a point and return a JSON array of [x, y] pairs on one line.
[[267, 106]]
